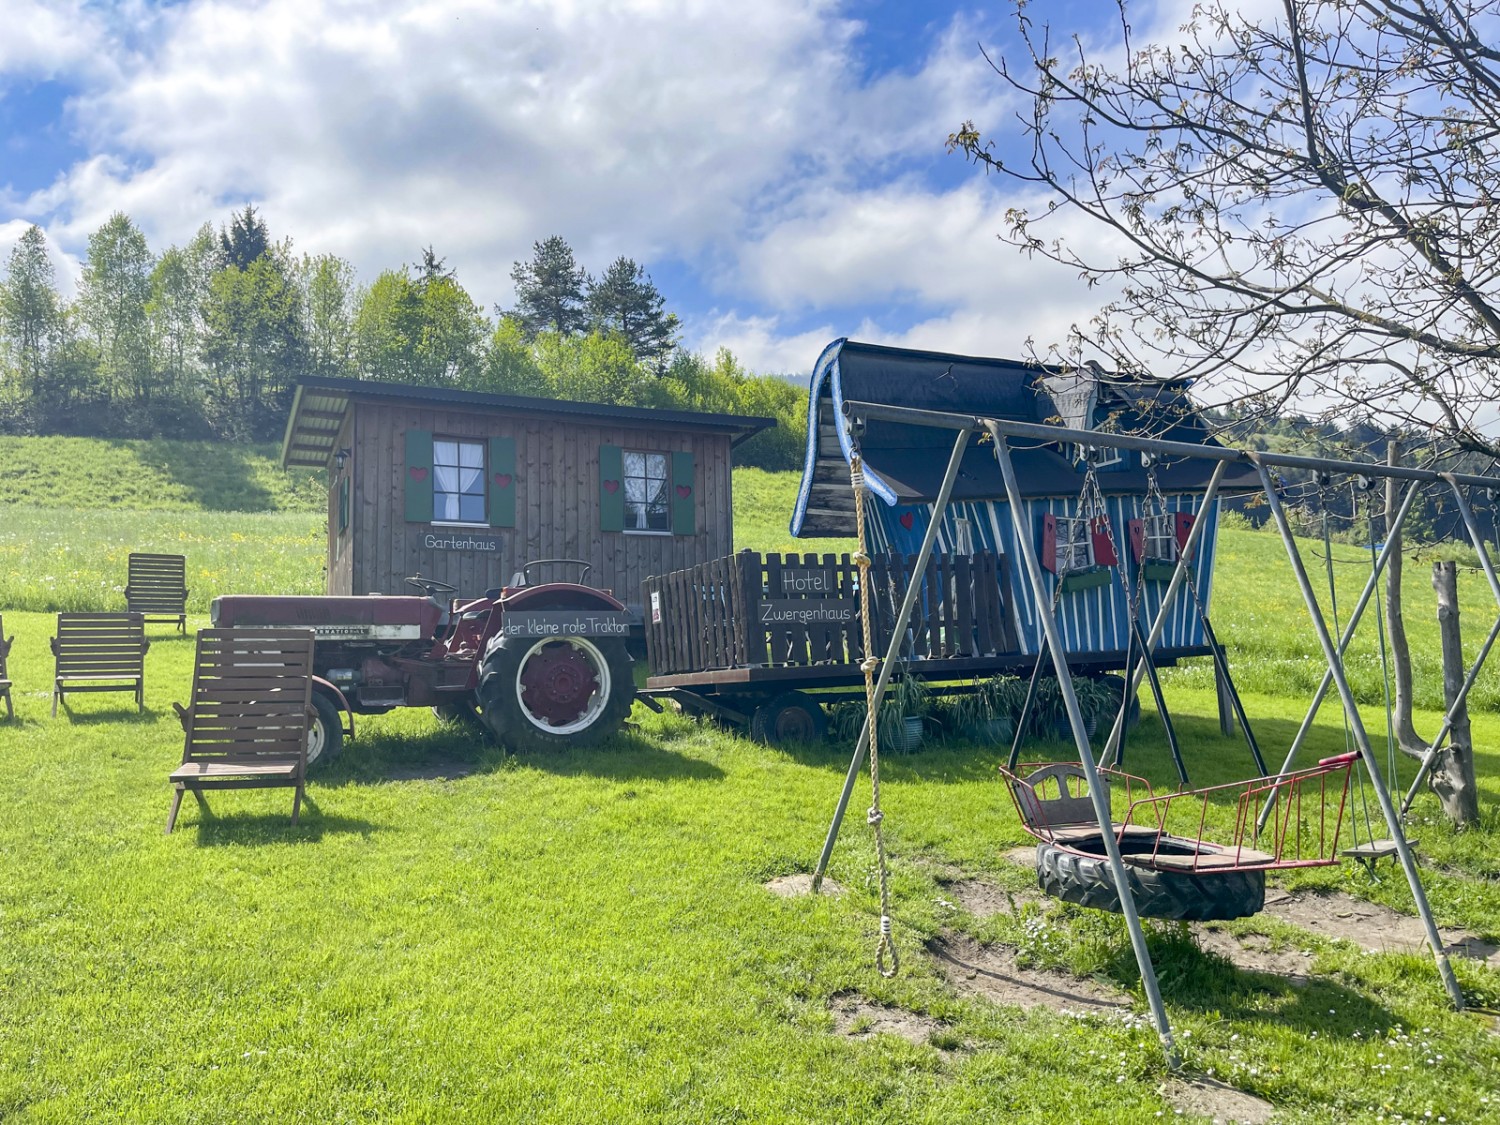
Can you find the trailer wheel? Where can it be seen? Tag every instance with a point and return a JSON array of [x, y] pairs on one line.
[[1178, 895], [555, 693], [792, 716], [325, 738]]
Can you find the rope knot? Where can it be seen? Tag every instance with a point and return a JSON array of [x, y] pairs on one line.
[[860, 559], [874, 817], [869, 664], [885, 926]]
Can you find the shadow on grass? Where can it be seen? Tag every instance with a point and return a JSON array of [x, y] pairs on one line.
[[257, 829], [218, 476], [626, 756], [118, 714], [452, 753], [1192, 977]]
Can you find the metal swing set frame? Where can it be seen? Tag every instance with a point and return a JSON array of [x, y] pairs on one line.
[[1284, 783]]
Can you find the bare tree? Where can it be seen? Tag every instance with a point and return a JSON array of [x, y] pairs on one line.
[[1298, 208]]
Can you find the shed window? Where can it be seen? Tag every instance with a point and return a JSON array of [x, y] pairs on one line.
[[458, 481], [646, 480], [1161, 537]]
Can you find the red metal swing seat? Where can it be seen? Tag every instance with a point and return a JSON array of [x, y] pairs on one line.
[[1166, 832]]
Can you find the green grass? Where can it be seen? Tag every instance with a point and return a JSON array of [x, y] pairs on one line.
[[86, 473], [55, 560], [584, 937], [763, 505]]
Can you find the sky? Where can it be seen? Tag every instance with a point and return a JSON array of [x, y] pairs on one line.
[[778, 167]]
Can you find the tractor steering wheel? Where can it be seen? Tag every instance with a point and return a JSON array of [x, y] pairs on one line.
[[431, 586]]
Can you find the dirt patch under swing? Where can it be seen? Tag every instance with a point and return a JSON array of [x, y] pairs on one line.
[[792, 886], [1370, 925], [993, 972], [1222, 1103], [857, 1017]]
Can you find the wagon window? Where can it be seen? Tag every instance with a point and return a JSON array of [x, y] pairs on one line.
[[1075, 545], [646, 507], [458, 481]]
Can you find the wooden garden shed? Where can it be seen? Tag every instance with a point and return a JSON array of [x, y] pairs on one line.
[[466, 487]]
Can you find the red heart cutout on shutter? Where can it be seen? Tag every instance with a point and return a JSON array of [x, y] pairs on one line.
[[611, 486], [503, 479], [907, 519], [418, 475], [684, 491]]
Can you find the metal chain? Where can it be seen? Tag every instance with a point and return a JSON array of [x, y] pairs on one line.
[[887, 960]]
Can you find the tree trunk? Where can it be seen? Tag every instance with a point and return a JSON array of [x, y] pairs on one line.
[[1406, 734], [1452, 776]]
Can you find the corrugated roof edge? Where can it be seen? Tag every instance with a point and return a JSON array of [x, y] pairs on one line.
[[743, 425]]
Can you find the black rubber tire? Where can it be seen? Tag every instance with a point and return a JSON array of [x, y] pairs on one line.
[[1177, 895], [500, 704], [792, 716], [326, 738]]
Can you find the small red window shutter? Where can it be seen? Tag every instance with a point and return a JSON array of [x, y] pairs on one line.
[[418, 477], [611, 488], [502, 483], [1182, 527], [1049, 541], [1104, 544], [684, 520], [1137, 531]]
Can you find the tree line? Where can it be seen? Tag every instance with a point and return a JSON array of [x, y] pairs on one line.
[[209, 339]]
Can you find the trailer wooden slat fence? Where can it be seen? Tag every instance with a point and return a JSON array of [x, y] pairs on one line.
[[791, 611]]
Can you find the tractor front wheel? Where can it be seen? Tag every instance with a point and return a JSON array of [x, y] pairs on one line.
[[325, 738], [555, 693]]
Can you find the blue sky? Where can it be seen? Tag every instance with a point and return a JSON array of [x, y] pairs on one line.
[[778, 167]]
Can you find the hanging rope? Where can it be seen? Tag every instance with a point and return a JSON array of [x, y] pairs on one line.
[[887, 960]]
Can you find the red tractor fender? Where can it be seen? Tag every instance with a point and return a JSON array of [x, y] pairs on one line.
[[559, 595], [320, 684]]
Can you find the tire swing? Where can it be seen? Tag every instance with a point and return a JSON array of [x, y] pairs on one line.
[[1173, 870]]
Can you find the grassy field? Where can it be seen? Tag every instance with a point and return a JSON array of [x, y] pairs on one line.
[[85, 473], [455, 934]]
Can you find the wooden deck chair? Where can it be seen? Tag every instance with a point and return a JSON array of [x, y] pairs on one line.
[[100, 652], [156, 588], [5, 643], [247, 724]]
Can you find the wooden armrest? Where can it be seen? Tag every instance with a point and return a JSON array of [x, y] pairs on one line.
[[184, 716], [53, 643], [144, 646]]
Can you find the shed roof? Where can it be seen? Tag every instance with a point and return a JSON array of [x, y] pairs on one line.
[[904, 464], [321, 403]]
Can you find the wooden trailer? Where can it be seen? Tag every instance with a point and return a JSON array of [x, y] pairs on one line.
[[745, 635]]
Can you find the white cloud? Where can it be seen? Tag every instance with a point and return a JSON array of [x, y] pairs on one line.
[[41, 40]]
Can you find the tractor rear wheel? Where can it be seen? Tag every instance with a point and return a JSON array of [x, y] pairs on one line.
[[554, 693]]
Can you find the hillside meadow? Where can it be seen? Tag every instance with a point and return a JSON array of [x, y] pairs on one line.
[[457, 934]]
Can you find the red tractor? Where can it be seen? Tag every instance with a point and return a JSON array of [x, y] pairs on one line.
[[541, 666]]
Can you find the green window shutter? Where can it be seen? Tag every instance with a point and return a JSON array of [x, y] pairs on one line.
[[418, 478], [502, 482], [343, 505], [611, 488], [683, 503]]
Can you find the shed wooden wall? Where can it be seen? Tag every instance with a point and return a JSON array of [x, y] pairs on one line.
[[557, 502]]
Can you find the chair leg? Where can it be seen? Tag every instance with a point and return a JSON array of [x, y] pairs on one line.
[[297, 803], [140, 695], [10, 711], [176, 804]]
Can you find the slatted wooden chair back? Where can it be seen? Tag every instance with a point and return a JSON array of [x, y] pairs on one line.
[[156, 588], [252, 689], [99, 652], [5, 643], [251, 709]]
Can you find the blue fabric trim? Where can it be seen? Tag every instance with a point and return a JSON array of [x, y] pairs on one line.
[[827, 367]]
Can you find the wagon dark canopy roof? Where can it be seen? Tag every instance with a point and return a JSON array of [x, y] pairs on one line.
[[320, 405], [904, 464]]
